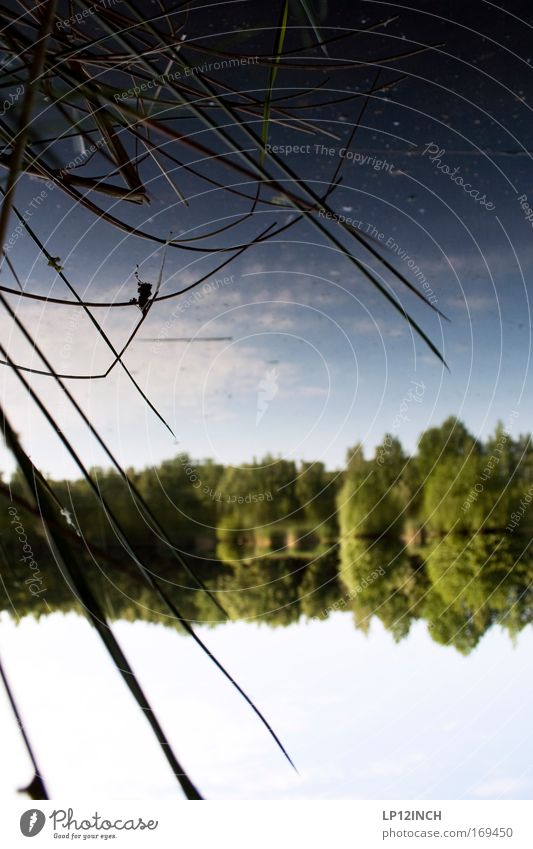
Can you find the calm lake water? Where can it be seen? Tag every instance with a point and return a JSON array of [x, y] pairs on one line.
[[375, 711]]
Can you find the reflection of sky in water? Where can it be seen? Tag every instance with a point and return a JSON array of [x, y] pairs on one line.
[[469, 99], [361, 716], [344, 364]]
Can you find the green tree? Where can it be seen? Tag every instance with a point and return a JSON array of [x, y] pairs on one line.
[[315, 491], [370, 499]]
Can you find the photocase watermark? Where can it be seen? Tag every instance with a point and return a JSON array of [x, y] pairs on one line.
[[353, 156], [412, 265], [435, 155], [26, 215], [250, 498], [345, 599], [340, 218], [490, 465], [182, 306], [79, 17], [526, 208], [401, 417], [372, 231], [518, 515], [267, 389], [32, 822], [184, 74], [10, 101], [71, 329], [35, 581], [36, 202], [196, 482], [66, 825]]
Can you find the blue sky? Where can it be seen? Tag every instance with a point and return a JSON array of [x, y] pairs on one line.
[[343, 359], [297, 311]]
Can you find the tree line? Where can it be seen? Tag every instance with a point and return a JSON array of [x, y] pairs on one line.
[[452, 483]]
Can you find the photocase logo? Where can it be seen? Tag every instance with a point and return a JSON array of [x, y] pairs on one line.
[[267, 389], [32, 822]]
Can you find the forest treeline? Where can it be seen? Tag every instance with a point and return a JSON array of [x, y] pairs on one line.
[[452, 483], [277, 540]]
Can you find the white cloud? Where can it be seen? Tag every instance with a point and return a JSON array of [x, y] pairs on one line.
[[474, 303], [500, 787]]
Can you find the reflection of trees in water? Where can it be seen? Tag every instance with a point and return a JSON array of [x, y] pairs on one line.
[[383, 580], [460, 586], [264, 590], [475, 583], [276, 590]]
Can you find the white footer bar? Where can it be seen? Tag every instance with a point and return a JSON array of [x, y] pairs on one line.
[[269, 825]]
